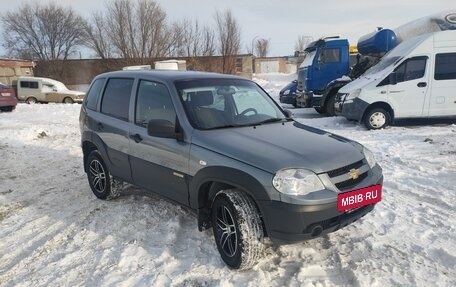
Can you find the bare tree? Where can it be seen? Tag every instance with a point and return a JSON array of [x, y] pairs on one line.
[[262, 47], [42, 32], [302, 42], [130, 29], [229, 38], [192, 39]]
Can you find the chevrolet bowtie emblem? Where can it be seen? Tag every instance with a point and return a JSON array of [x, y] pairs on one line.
[[353, 174]]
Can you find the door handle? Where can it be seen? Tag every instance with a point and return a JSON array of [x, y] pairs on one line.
[[136, 137], [422, 84]]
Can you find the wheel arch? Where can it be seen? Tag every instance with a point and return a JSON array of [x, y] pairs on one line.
[[387, 107], [209, 181]]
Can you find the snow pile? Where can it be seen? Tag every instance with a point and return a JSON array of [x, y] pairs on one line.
[[54, 232]]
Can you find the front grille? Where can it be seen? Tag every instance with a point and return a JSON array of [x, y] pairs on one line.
[[351, 182], [345, 169]]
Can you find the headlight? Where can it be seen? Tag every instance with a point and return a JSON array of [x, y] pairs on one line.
[[286, 92], [369, 157], [296, 181], [353, 94]]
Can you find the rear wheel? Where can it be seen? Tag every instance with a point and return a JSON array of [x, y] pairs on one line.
[[238, 230], [68, 100], [31, 100], [377, 118], [98, 176]]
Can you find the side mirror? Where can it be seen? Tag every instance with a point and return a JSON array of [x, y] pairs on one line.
[[288, 113], [392, 78], [163, 129]]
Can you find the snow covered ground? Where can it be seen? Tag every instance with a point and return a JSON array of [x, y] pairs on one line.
[[54, 232]]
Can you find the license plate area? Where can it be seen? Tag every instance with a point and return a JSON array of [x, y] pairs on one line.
[[358, 198]]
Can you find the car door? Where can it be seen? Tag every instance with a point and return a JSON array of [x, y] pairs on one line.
[[112, 125], [409, 94], [158, 164], [328, 67], [443, 92]]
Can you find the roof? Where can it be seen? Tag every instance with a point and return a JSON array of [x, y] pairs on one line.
[[169, 75]]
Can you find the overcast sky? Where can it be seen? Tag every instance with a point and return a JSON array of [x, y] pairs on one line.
[[282, 21]]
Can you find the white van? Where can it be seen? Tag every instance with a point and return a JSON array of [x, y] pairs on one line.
[[417, 79], [35, 89]]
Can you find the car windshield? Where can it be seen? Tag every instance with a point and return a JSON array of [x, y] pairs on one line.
[[223, 103], [308, 59]]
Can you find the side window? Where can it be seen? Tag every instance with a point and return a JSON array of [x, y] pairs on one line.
[[29, 84], [329, 56], [445, 66], [153, 103], [411, 69], [93, 93], [116, 98]]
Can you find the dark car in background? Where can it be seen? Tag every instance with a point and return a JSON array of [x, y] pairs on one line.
[[288, 94], [8, 100], [221, 146]]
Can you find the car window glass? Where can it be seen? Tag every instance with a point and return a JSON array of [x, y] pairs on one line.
[[411, 69], [329, 56], [29, 84], [153, 103], [116, 98], [245, 99], [445, 66], [93, 93]]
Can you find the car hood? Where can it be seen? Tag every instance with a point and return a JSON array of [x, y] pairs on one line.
[[275, 146]]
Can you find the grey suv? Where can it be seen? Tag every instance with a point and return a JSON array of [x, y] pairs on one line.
[[221, 146]]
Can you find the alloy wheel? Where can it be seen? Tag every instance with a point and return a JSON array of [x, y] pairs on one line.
[[226, 231]]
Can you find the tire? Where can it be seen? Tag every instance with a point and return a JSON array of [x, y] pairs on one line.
[[377, 118], [234, 212], [320, 110], [68, 100], [31, 100], [329, 105], [98, 176]]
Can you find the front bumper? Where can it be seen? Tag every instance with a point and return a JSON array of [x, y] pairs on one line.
[[296, 223], [288, 99], [303, 99], [288, 222], [352, 109]]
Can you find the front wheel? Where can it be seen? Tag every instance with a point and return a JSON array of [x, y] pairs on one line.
[[329, 106], [31, 100], [319, 110], [377, 118], [238, 229]]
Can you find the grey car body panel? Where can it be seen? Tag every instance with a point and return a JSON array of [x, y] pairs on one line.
[[246, 158], [293, 145]]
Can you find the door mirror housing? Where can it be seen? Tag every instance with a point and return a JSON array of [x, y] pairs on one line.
[[288, 113], [163, 129], [392, 78]]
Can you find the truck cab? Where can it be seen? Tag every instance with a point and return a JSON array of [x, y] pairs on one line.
[[327, 59]]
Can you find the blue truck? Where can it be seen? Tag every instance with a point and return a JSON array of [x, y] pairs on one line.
[[329, 65]]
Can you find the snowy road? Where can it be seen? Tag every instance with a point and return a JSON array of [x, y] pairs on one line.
[[54, 232]]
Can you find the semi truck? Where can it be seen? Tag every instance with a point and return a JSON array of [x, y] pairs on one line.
[[328, 65]]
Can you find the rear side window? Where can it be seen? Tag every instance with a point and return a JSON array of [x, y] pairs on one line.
[[94, 92], [445, 66], [29, 84], [116, 98]]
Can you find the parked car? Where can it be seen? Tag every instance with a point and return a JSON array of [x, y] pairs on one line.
[[288, 94], [45, 90], [8, 99], [221, 146]]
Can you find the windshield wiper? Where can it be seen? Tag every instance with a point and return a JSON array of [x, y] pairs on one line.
[[271, 120]]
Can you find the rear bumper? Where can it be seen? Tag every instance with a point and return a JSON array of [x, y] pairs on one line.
[[9, 101]]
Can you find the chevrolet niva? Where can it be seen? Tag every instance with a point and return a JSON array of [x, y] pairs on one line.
[[221, 146]]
